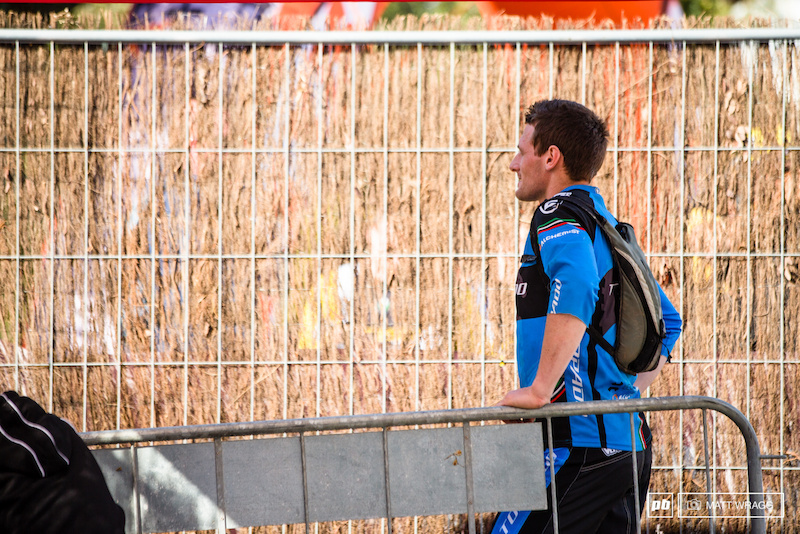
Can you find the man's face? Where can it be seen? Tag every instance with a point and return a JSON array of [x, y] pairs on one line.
[[532, 181]]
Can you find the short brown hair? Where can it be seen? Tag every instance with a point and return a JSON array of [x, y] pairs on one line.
[[580, 135]]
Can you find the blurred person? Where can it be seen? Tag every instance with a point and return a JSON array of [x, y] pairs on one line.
[[49, 481], [561, 148], [199, 15]]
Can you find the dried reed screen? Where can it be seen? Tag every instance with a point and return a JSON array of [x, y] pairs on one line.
[[204, 233]]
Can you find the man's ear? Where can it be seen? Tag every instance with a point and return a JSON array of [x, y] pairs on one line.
[[552, 157]]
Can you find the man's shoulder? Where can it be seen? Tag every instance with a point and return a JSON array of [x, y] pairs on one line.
[[567, 206]]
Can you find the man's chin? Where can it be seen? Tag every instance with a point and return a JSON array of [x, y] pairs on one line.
[[523, 197]]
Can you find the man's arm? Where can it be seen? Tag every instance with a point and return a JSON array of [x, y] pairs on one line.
[[562, 336], [643, 380]]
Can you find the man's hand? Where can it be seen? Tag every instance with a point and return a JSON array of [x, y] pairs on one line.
[[525, 398]]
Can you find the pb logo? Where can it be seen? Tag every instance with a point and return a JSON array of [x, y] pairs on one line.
[[661, 505]]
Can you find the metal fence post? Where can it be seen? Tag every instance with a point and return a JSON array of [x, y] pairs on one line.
[[469, 478]]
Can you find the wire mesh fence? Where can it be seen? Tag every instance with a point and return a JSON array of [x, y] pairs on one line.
[[203, 227]]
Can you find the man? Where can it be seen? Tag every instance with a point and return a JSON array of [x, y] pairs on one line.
[[561, 149], [49, 481]]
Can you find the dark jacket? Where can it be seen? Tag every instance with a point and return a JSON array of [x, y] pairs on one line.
[[49, 481]]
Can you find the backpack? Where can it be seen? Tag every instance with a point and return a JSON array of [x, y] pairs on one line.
[[640, 323]]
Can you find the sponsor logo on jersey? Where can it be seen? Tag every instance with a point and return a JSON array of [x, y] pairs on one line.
[[550, 206], [521, 289], [552, 224], [556, 294], [576, 381], [619, 391], [570, 227], [510, 518], [556, 236]]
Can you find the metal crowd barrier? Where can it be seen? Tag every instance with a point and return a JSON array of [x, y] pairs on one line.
[[310, 477]]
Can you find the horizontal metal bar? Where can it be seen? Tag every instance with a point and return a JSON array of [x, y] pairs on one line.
[[365, 150], [280, 363], [344, 422], [277, 256], [277, 363], [705, 35], [258, 151], [457, 256], [700, 467]]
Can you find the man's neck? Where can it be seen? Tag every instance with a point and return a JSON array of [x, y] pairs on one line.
[[561, 182]]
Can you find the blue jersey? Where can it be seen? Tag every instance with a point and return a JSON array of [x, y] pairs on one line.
[[577, 278]]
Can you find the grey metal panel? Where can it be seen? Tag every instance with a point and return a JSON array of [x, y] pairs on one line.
[[177, 485], [117, 468], [426, 472], [508, 467], [263, 481], [345, 476]]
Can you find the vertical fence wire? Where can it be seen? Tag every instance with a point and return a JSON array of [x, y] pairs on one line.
[[517, 226], [352, 227], [154, 253], [715, 269], [682, 158], [284, 270], [616, 128], [583, 73], [17, 174], [450, 212], [52, 238], [417, 229], [484, 302], [753, 57], [186, 242], [649, 152], [83, 311], [253, 219], [551, 58], [121, 158], [782, 267], [384, 295], [709, 482], [417, 237], [286, 234], [318, 335], [220, 201]]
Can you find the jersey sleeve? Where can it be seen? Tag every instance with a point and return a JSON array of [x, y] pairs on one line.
[[672, 324], [568, 260]]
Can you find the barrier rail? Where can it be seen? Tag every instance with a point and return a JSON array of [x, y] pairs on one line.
[[339, 455], [400, 37]]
